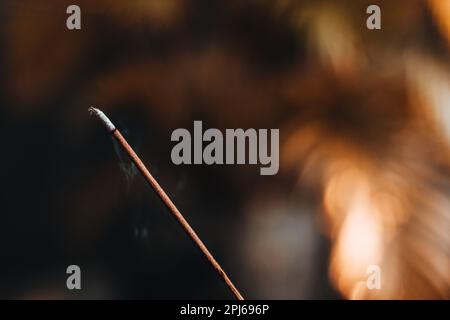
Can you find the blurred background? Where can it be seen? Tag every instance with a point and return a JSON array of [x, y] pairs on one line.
[[364, 119]]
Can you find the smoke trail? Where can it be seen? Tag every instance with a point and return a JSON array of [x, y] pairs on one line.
[[125, 164]]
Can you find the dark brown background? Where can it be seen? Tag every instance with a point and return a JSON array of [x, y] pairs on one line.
[[310, 68]]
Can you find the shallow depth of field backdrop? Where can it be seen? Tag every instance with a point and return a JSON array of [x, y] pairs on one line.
[[364, 119]]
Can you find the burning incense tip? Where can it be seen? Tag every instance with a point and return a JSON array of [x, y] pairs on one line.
[[106, 122]]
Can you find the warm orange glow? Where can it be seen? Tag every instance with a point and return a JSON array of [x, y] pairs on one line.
[[441, 9], [359, 236]]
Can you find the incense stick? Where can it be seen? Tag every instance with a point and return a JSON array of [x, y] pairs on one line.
[[165, 199]]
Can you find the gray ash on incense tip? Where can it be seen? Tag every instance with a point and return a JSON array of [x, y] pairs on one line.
[[105, 120]]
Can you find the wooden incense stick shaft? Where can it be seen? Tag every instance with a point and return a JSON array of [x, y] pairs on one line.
[[175, 212]]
